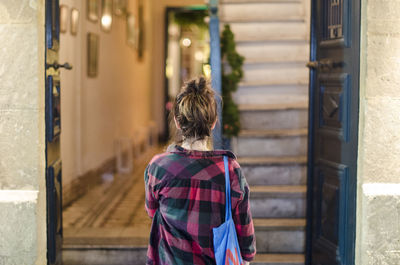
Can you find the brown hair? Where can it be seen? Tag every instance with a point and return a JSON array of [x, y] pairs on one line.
[[195, 110]]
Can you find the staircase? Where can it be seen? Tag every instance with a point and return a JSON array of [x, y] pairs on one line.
[[273, 36]]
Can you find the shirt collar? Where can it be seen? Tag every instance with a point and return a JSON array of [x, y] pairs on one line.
[[173, 148]]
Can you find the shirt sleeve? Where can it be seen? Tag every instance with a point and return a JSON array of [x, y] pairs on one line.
[[151, 203], [244, 221]]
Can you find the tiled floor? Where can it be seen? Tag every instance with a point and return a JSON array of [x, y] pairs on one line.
[[112, 213]]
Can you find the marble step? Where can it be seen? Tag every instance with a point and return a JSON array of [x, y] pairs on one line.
[[283, 11], [279, 259], [269, 31], [292, 115], [280, 235], [275, 74], [283, 51], [252, 143], [278, 201]]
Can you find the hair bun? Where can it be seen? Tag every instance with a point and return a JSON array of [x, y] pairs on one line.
[[197, 86], [195, 109], [202, 84]]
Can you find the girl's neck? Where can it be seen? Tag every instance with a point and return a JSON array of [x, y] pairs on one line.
[[199, 145]]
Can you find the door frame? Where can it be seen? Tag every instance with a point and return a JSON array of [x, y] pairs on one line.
[[53, 169], [166, 84], [310, 147]]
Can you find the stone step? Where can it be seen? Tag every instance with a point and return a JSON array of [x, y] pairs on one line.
[[100, 255], [269, 31], [275, 74], [284, 174], [279, 259], [262, 161], [251, 143], [283, 11], [278, 201], [103, 255], [287, 191], [284, 89], [265, 97], [273, 224], [292, 115], [258, 1], [273, 106], [264, 52], [280, 235], [273, 133]]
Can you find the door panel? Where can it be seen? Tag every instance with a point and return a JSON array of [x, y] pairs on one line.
[[334, 90], [53, 130]]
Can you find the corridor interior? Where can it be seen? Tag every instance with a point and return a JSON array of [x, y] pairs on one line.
[[114, 111], [111, 213]]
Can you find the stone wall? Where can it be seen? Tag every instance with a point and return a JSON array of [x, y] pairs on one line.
[[22, 132], [378, 206]]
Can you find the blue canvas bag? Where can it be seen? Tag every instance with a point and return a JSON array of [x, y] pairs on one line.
[[226, 245]]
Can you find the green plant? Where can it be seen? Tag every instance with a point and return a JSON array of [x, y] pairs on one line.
[[189, 18], [232, 73]]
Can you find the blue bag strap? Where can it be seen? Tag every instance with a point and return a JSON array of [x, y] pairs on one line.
[[228, 211]]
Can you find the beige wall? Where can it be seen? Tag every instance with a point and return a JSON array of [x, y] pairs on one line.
[[158, 54], [22, 133], [378, 205], [116, 103]]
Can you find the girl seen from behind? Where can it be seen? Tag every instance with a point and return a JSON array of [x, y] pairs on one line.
[[185, 187]]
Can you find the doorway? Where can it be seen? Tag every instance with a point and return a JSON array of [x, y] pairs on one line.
[[187, 52], [333, 121]]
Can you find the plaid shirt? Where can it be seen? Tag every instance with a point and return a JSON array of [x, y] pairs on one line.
[[185, 196]]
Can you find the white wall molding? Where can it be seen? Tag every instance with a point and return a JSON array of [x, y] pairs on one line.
[[18, 196], [381, 189]]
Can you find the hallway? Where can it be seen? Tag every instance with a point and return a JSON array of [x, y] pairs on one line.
[[110, 220], [111, 213]]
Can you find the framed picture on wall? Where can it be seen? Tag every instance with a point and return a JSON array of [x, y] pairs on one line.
[[92, 7], [93, 54], [131, 31], [63, 18], [74, 21], [106, 15], [120, 7]]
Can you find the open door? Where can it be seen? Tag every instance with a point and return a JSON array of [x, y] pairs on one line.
[[334, 100], [53, 130]]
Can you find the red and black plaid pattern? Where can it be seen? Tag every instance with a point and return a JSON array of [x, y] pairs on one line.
[[185, 196]]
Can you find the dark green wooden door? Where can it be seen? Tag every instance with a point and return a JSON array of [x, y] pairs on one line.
[[334, 93]]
